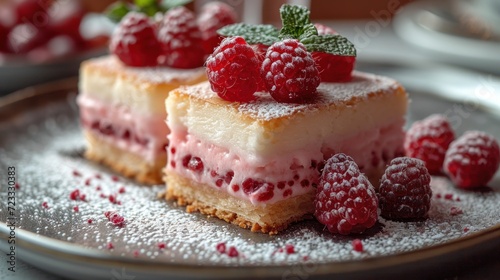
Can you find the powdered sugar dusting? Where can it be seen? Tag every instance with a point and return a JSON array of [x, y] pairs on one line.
[[362, 86], [47, 151], [154, 75]]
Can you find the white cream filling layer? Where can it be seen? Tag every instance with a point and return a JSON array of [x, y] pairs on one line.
[[137, 132]]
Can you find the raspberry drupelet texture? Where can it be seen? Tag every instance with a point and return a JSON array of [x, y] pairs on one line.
[[428, 140], [405, 191], [289, 72], [346, 201], [181, 40], [233, 70], [134, 41], [472, 160], [212, 17]]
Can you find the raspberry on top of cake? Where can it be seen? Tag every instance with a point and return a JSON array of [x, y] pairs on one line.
[[248, 146], [122, 95]]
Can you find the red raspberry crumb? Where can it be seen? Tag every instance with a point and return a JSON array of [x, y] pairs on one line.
[[75, 208], [290, 249], [357, 245], [75, 195], [136, 253], [76, 173], [405, 190], [213, 16], [221, 247], [289, 72], [115, 178], [232, 252], [121, 189], [87, 182], [45, 205], [115, 218], [134, 41], [345, 200], [472, 160], [98, 176], [455, 211], [181, 39], [112, 198], [448, 196], [162, 245], [17, 186], [428, 140], [110, 246], [98, 188], [466, 229], [89, 221], [233, 70]]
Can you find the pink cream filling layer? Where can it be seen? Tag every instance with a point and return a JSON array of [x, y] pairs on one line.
[[142, 134], [264, 180]]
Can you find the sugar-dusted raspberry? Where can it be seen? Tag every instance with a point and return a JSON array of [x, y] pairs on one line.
[[346, 201], [233, 70], [324, 30], [180, 38], [134, 41], [428, 140], [289, 72], [115, 218], [213, 16], [472, 160], [405, 191]]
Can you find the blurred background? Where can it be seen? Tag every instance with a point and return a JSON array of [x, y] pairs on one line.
[[45, 40]]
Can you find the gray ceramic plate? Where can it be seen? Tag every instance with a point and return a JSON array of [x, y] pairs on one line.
[[41, 138]]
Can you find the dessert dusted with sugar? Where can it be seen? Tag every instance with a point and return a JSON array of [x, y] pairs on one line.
[[122, 95], [254, 158]]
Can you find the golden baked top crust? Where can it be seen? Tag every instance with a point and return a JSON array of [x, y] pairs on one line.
[[143, 76], [363, 87]]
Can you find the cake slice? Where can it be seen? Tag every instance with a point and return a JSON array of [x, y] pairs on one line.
[[123, 115], [256, 164]]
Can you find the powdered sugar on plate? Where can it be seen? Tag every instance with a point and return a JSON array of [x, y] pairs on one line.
[[47, 148]]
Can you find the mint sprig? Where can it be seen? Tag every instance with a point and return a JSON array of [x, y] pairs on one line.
[[253, 34], [119, 9], [296, 25]]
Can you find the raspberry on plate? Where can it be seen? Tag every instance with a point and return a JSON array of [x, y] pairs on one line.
[[213, 16], [405, 191], [345, 200], [134, 41], [180, 38], [289, 72], [428, 140], [472, 160], [233, 70]]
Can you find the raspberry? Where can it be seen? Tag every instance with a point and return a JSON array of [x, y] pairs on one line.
[[289, 72], [134, 41], [345, 200], [233, 70], [324, 30], [213, 16], [472, 160], [428, 140], [405, 191], [334, 68], [181, 39]]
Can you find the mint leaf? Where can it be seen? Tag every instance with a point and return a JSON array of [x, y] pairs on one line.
[[307, 31], [169, 4], [144, 3], [294, 18], [116, 11], [334, 44], [253, 34]]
